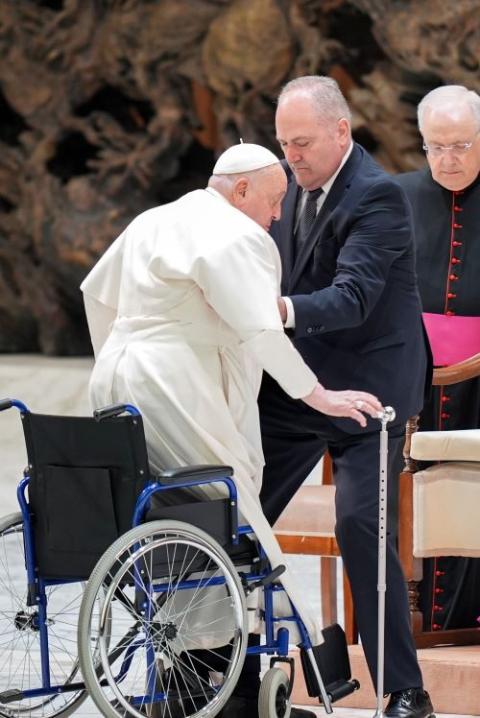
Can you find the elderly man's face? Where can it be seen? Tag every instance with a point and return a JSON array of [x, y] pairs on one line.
[[264, 194], [313, 149], [447, 134]]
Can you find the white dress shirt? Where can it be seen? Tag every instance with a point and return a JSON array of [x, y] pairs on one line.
[[290, 320]]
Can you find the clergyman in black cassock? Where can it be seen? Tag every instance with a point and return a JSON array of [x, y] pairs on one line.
[[445, 198]]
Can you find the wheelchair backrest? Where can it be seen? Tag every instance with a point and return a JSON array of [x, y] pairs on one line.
[[85, 477]]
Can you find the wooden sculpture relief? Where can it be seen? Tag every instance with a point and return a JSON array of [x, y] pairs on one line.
[[108, 108]]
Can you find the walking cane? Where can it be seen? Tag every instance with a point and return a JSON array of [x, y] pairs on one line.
[[387, 415]]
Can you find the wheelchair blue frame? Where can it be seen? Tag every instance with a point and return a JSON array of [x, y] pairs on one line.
[[274, 644]]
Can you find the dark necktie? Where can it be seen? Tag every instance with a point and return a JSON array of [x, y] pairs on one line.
[[306, 219]]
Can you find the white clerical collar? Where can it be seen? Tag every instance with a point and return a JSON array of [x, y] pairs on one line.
[[216, 193]]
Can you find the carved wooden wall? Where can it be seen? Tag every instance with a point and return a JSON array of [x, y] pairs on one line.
[[108, 107]]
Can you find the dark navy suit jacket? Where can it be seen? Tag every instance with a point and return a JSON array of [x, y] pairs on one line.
[[357, 309]]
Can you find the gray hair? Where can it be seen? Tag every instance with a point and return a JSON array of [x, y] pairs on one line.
[[325, 94], [448, 98]]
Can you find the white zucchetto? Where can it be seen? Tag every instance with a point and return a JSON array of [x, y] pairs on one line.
[[245, 157]]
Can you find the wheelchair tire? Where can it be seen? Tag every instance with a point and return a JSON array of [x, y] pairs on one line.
[[175, 613], [273, 700], [20, 662]]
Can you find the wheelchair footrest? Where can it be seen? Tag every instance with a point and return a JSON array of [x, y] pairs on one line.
[[333, 664], [341, 689]]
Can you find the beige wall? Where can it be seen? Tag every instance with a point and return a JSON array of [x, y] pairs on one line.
[[46, 385]]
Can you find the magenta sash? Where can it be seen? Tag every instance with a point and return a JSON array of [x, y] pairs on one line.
[[452, 338]]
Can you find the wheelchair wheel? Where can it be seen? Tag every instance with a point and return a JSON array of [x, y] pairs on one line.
[[171, 635], [20, 661], [273, 700]]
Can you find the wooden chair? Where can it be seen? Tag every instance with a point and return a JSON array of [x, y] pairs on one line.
[[421, 503], [306, 527]]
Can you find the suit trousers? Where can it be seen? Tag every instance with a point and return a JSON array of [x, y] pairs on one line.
[[294, 439]]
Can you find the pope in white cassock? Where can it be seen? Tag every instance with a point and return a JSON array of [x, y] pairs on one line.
[[182, 311]]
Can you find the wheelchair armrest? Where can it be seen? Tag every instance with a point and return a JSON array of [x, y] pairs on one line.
[[200, 471], [108, 412]]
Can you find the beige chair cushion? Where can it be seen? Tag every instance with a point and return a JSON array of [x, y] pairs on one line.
[[446, 510], [446, 445], [311, 512]]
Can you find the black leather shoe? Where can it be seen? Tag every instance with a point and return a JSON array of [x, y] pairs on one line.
[[239, 707], [302, 713], [410, 703]]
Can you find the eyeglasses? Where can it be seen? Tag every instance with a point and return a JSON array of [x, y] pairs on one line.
[[458, 148]]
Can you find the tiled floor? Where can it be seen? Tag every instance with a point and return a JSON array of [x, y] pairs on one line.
[[88, 710], [351, 713], [59, 386]]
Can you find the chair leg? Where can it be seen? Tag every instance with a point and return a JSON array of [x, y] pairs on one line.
[[351, 630], [329, 595], [328, 589], [412, 567]]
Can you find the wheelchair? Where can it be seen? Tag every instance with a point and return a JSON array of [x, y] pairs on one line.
[[134, 589]]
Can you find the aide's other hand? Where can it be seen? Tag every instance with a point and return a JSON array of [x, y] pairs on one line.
[[282, 308], [350, 404]]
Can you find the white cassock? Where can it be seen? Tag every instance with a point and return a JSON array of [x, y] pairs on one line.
[[182, 311]]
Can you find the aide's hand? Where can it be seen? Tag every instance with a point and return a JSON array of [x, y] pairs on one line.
[[350, 404], [282, 308]]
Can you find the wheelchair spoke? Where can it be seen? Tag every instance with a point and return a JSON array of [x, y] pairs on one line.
[[180, 591], [20, 656]]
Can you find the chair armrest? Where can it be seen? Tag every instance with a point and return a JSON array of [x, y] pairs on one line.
[[454, 374]]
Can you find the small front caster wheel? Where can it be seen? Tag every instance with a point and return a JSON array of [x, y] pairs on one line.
[[273, 699]]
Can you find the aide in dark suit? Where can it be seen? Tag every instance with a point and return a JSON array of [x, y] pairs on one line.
[[353, 309]]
